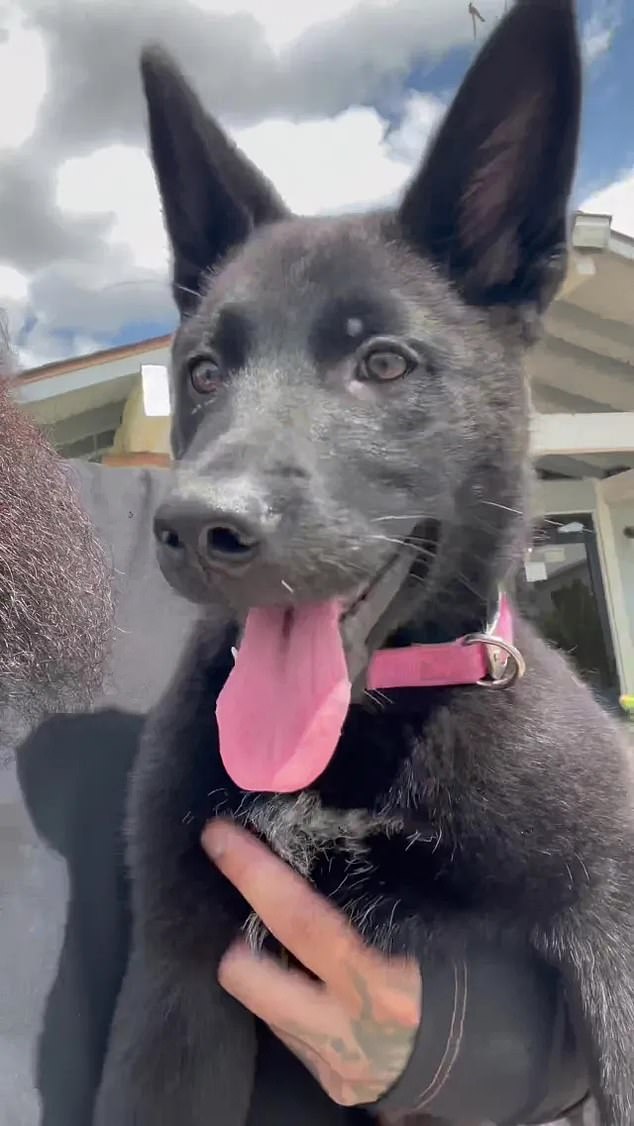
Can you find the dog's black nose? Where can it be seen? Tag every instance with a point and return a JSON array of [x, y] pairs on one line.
[[220, 537]]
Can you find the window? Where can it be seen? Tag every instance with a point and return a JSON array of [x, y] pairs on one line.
[[91, 448]]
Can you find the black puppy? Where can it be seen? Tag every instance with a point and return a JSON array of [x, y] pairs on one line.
[[335, 380]]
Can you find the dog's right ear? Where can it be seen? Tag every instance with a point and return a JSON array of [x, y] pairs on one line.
[[212, 195], [489, 204]]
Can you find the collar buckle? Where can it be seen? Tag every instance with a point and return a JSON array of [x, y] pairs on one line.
[[505, 663]]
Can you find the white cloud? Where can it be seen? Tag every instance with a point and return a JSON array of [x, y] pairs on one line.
[[118, 181], [419, 120], [343, 163], [283, 24], [333, 164], [615, 199], [101, 296], [596, 42], [14, 292], [281, 21], [80, 218], [44, 347], [14, 286], [23, 81], [327, 165], [598, 31], [330, 164]]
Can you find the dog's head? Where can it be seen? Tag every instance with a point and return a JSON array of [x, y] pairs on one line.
[[336, 379]]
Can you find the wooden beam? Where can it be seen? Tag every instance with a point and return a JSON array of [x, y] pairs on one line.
[[580, 434], [118, 461], [577, 370]]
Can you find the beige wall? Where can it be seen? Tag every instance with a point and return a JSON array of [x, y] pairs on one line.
[[139, 434]]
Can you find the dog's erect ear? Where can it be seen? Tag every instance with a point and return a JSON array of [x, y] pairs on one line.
[[489, 204], [212, 195]]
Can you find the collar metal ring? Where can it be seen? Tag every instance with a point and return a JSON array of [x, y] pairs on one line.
[[514, 668]]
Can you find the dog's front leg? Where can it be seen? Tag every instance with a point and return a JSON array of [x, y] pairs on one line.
[[597, 965], [182, 1052]]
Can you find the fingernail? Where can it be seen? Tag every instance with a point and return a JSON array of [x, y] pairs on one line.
[[215, 839], [233, 964]]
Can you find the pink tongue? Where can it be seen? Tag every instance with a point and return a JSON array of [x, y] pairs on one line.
[[283, 705]]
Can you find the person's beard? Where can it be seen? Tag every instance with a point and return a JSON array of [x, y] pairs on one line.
[[55, 581]]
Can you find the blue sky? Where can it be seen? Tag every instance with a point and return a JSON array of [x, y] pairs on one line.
[[607, 148], [336, 106], [607, 140]]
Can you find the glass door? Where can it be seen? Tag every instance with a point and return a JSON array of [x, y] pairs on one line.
[[561, 590]]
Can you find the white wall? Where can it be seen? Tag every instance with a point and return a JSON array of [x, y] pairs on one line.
[[622, 517], [554, 497], [612, 514]]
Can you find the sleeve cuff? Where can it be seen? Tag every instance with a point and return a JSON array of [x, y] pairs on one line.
[[494, 1039], [438, 1040]]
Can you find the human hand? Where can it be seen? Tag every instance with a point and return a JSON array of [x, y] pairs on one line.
[[354, 1028]]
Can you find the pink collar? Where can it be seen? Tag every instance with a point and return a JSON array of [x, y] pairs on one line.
[[488, 659]]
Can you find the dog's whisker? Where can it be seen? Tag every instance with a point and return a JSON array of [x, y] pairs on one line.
[[344, 568], [287, 586], [504, 507], [392, 539], [417, 549], [519, 512], [407, 516], [186, 289], [373, 695], [424, 548], [382, 695]]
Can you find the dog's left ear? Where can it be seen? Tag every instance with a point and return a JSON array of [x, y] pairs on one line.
[[490, 203], [213, 196]]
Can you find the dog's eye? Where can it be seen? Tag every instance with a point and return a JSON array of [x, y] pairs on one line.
[[384, 364], [205, 375]]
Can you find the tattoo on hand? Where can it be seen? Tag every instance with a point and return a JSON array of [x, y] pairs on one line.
[[358, 1062]]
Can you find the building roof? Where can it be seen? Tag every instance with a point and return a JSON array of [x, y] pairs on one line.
[[122, 351]]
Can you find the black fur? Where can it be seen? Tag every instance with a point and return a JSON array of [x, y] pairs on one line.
[[513, 808]]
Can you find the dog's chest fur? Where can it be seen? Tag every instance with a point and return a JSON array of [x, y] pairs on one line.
[[302, 830]]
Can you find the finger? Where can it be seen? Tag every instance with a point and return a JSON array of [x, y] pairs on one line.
[[304, 922], [304, 1017], [282, 997]]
